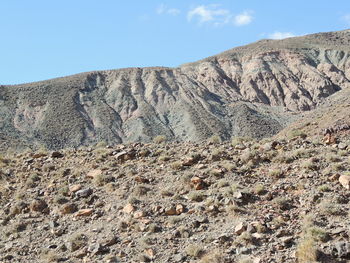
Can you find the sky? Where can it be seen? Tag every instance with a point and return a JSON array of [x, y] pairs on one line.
[[43, 39]]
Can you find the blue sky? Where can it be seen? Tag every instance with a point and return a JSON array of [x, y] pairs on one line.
[[43, 39]]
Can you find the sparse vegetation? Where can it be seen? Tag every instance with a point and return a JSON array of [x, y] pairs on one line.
[[215, 139], [213, 257], [259, 189], [194, 251], [176, 165], [78, 241], [306, 251], [275, 173], [160, 139], [196, 196], [297, 133], [240, 140]]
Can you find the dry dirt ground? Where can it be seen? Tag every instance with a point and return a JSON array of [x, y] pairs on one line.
[[282, 200]]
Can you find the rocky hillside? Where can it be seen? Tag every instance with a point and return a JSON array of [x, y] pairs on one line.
[[255, 90], [284, 200], [331, 116]]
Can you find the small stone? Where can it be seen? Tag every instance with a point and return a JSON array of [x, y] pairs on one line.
[[170, 211], [69, 208], [341, 249], [178, 258], [75, 188], [180, 209], [189, 161], [80, 253], [342, 146], [120, 155], [144, 258], [196, 180], [110, 241], [125, 156], [270, 145], [8, 257], [240, 228], [329, 139], [282, 232], [286, 240], [257, 236], [201, 166], [84, 193], [197, 183], [129, 208], [344, 180], [93, 173], [53, 224], [85, 212], [97, 249], [337, 231], [38, 155], [56, 155], [111, 259], [203, 219], [213, 209], [150, 253], [217, 172], [58, 232], [251, 229], [39, 205], [224, 239], [141, 180], [240, 147], [139, 214], [334, 177], [238, 195]]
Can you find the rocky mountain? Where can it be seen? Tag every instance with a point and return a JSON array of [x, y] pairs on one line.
[[254, 90]]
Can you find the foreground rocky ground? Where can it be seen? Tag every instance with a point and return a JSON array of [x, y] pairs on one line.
[[283, 200]]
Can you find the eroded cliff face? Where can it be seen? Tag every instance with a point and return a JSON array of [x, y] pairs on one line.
[[254, 91]]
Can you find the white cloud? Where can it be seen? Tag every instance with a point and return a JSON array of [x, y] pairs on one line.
[[208, 13], [244, 18], [163, 9], [218, 16], [281, 35]]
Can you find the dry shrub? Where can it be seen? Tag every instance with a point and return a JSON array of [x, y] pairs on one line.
[[194, 251], [213, 257], [159, 139], [306, 251]]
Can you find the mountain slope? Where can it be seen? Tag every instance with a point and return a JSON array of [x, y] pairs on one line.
[[255, 90]]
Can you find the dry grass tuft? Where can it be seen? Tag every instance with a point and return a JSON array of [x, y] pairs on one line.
[[306, 251]]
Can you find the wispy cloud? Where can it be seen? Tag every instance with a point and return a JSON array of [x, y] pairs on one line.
[[243, 19], [208, 13], [346, 18], [163, 9], [281, 35], [218, 16]]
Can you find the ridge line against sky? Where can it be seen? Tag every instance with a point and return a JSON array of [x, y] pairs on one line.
[[47, 39]]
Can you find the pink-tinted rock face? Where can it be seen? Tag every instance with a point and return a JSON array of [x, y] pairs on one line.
[[250, 91]]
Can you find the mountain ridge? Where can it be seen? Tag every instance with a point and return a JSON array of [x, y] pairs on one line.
[[274, 80]]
